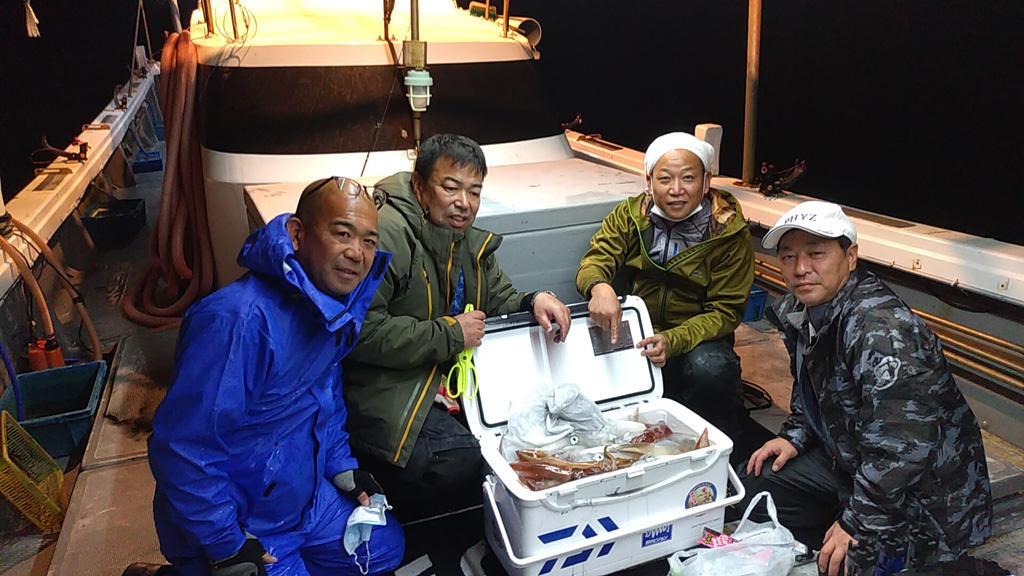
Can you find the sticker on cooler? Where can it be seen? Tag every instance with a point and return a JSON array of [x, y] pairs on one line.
[[605, 523], [656, 536], [703, 493]]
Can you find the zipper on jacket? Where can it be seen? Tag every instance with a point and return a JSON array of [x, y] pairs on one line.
[[664, 298], [316, 453], [668, 270], [479, 281], [448, 276], [430, 303], [702, 246], [412, 416], [430, 378]]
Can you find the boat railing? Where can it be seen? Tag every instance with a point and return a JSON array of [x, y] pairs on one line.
[[58, 188]]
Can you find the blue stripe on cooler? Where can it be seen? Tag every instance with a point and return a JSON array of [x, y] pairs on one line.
[[577, 558], [560, 534]]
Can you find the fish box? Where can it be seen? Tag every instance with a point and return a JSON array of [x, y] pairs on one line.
[[59, 404], [610, 521], [114, 223]]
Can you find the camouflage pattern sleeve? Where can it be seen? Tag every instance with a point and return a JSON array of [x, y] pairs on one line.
[[896, 363], [796, 428]]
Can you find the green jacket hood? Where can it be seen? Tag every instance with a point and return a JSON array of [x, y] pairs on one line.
[[726, 214], [402, 198], [436, 239]]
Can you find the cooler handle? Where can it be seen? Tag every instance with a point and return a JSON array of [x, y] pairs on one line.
[[550, 504], [734, 480], [741, 490], [506, 542]]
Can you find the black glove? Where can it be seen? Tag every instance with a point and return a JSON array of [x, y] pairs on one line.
[[246, 562], [352, 483]]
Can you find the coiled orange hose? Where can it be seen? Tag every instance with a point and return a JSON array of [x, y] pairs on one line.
[[180, 252]]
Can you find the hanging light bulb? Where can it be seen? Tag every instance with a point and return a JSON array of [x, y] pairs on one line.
[[418, 83]]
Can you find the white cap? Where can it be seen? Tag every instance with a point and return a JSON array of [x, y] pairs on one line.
[[823, 219], [678, 141]]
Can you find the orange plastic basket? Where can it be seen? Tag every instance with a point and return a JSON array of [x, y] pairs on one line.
[[29, 478]]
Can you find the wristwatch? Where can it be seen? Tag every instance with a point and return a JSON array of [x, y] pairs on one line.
[[590, 289], [533, 297]]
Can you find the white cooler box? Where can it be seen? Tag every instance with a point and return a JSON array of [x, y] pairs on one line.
[[607, 522]]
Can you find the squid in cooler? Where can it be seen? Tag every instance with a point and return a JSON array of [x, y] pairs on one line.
[[539, 470]]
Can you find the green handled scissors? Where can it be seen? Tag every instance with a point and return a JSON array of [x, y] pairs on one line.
[[464, 385]]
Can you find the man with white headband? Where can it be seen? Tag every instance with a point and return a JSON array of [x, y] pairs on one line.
[[686, 250], [881, 454]]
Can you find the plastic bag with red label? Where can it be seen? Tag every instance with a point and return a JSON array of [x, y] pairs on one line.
[[761, 549]]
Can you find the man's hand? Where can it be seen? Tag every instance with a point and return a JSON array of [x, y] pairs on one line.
[[658, 351], [250, 560], [605, 309], [781, 448], [472, 324], [836, 543], [547, 310], [357, 484]]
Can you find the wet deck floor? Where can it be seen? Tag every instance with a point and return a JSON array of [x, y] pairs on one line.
[[109, 523]]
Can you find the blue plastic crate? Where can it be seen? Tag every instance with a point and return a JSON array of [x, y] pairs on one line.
[[59, 404], [756, 303], [147, 162]]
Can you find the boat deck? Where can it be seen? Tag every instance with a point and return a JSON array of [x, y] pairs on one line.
[[109, 523]]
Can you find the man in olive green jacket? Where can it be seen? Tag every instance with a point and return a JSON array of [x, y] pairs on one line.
[[416, 324], [686, 250]]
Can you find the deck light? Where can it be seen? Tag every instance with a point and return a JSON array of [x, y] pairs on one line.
[[418, 82]]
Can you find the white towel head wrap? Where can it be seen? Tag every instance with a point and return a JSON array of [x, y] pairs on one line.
[[678, 141]]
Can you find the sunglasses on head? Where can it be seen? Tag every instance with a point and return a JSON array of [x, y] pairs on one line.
[[378, 197]]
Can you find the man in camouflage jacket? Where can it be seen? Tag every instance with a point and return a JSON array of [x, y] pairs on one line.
[[882, 449]]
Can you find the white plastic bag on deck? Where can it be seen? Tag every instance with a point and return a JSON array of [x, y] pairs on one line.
[[763, 549]]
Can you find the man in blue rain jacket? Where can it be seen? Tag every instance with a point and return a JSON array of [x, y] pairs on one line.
[[249, 449]]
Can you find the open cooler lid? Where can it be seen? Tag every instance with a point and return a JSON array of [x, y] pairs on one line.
[[516, 353]]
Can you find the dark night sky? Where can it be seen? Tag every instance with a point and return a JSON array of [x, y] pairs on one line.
[[913, 109]]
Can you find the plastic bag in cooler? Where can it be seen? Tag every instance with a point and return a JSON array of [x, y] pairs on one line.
[[548, 417]]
